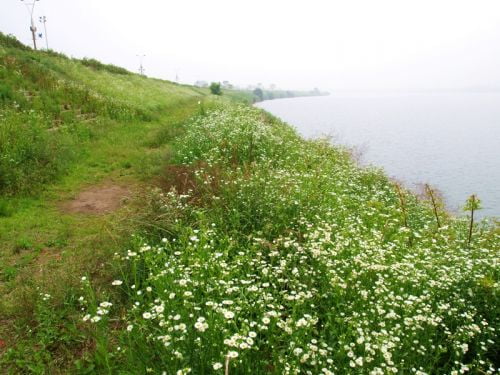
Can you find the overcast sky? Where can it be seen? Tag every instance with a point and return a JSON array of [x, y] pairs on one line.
[[348, 44]]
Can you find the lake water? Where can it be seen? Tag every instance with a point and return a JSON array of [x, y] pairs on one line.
[[449, 140]]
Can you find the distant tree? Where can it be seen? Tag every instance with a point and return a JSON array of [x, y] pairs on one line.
[[259, 93], [215, 88]]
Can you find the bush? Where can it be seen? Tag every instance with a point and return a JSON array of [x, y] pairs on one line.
[[30, 155], [258, 93], [215, 88]]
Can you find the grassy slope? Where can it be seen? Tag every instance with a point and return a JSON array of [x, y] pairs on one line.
[[41, 246]]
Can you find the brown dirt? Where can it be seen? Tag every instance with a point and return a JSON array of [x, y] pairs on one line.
[[98, 200], [46, 257]]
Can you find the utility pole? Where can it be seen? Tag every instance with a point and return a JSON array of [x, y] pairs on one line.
[[141, 68], [43, 20], [32, 27]]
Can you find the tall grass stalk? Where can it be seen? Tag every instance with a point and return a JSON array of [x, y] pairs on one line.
[[434, 202]]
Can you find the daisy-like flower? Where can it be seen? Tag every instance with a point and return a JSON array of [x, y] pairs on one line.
[[217, 365], [201, 326]]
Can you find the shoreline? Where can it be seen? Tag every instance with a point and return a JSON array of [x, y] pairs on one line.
[[453, 201]]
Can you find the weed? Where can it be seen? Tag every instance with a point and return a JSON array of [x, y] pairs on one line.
[[8, 273], [436, 203], [473, 204], [6, 209], [22, 244]]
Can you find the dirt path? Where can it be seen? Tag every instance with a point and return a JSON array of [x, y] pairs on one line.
[[99, 199]]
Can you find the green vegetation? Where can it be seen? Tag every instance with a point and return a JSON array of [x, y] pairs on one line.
[[65, 127], [93, 63], [51, 103], [10, 41], [279, 255], [259, 94], [243, 246], [215, 88]]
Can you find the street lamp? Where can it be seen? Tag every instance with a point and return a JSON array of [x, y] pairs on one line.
[[32, 27], [43, 20]]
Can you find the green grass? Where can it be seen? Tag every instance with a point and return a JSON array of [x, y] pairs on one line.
[[51, 103], [44, 247]]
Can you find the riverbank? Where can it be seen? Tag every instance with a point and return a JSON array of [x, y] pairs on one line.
[[235, 244], [416, 137], [275, 254]]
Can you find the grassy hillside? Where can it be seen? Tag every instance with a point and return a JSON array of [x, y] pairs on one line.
[[66, 125], [241, 249], [74, 102]]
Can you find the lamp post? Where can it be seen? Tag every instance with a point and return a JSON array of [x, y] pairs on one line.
[[43, 20], [32, 27]]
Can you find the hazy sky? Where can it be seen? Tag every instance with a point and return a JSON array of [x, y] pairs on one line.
[[294, 44]]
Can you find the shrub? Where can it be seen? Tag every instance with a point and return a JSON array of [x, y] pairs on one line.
[[215, 88], [258, 93], [29, 154]]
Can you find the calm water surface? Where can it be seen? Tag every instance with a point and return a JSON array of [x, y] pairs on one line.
[[449, 140]]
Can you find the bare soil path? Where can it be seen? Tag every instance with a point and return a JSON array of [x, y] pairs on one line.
[[100, 199]]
